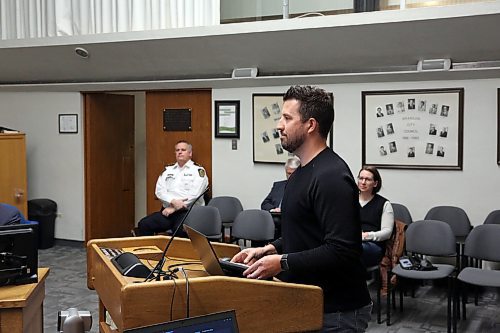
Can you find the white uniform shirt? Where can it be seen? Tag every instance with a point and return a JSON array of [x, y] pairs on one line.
[[178, 183]]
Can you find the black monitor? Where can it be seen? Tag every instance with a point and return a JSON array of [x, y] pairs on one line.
[[18, 254], [220, 322]]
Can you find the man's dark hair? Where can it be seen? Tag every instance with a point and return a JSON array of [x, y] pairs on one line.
[[314, 103]]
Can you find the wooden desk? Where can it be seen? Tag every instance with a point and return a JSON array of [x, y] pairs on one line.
[[21, 307], [261, 306]]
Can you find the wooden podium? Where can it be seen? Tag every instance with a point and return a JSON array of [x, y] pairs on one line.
[[261, 306]]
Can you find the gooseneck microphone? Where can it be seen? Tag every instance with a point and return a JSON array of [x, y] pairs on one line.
[[157, 270]]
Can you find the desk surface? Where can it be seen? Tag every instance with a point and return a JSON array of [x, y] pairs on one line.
[[17, 296]]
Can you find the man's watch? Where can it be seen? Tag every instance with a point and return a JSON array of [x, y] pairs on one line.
[[284, 262]]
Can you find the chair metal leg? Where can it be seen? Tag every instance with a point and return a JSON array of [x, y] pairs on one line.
[[455, 299], [388, 304], [464, 300], [448, 308], [378, 283]]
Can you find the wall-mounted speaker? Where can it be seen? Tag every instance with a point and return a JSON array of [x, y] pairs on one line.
[[245, 73], [434, 64]]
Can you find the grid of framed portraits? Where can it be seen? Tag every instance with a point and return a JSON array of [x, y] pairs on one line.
[[413, 129], [266, 137]]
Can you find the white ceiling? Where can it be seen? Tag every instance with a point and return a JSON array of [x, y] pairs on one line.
[[366, 47]]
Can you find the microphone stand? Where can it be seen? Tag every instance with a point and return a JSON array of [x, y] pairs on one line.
[[158, 268]]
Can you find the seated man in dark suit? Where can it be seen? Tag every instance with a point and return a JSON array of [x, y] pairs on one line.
[[272, 202]]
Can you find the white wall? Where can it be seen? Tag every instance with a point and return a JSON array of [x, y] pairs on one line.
[[475, 188], [54, 161]]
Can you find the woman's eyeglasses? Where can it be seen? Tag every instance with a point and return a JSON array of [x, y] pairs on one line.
[[365, 179]]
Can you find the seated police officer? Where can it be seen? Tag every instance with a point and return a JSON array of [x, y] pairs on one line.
[[177, 187]]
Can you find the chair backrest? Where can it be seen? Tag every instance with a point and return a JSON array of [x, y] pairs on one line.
[[483, 242], [493, 217], [254, 225], [229, 207], [401, 213], [430, 237], [206, 220], [454, 216]]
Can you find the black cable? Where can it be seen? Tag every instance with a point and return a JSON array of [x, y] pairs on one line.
[[187, 290], [159, 267], [172, 301], [183, 264]]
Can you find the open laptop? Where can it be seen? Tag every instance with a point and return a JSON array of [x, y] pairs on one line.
[[213, 265], [223, 322]]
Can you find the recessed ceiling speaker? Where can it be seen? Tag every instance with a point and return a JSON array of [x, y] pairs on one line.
[[434, 64], [245, 73], [81, 52]]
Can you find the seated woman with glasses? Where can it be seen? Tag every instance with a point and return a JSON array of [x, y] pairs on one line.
[[377, 216]]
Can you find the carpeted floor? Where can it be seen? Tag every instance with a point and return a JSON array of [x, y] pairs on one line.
[[66, 287]]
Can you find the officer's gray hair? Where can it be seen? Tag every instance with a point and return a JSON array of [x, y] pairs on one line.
[[190, 146]]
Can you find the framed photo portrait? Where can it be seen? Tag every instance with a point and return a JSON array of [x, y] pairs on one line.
[[413, 129], [227, 119]]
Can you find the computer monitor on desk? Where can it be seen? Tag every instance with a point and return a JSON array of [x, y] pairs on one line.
[[18, 254], [220, 322]]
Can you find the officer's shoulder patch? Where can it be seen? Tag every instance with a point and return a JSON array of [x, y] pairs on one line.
[[201, 172]]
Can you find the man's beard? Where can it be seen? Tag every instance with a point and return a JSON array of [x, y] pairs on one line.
[[292, 144]]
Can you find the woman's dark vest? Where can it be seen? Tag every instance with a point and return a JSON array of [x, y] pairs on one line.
[[371, 215]]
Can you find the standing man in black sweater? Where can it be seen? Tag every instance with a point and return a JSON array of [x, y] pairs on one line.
[[321, 229]]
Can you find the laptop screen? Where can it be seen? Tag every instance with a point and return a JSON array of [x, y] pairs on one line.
[[205, 250], [220, 322]]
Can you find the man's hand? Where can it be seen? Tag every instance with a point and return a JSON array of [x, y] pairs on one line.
[[275, 210], [264, 268], [249, 256], [263, 260], [167, 211], [178, 204]]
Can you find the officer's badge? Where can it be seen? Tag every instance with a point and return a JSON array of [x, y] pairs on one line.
[[201, 172]]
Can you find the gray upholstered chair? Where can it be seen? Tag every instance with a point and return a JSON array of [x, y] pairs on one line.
[[458, 221], [401, 213], [456, 217], [481, 244], [493, 217], [206, 220], [229, 207], [254, 225], [427, 238]]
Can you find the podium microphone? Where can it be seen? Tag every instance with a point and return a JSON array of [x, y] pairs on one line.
[[158, 268]]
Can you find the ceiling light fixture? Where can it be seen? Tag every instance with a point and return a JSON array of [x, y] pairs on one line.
[[81, 52]]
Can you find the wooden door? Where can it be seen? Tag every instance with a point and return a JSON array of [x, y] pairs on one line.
[[13, 184], [160, 144], [109, 165]]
